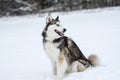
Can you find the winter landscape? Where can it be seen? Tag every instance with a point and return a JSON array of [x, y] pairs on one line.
[[96, 31]]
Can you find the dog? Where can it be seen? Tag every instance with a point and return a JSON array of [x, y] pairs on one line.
[[65, 55]]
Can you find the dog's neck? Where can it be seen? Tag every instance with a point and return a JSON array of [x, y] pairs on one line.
[[57, 42], [58, 39], [54, 40]]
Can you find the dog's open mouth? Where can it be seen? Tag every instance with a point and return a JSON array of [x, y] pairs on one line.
[[59, 33]]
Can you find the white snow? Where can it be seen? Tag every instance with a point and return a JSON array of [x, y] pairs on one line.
[[95, 31]]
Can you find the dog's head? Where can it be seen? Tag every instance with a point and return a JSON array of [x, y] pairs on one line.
[[53, 28]]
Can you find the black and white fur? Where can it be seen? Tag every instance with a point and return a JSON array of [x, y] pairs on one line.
[[63, 52]]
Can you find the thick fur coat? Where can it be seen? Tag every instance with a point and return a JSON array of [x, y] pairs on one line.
[[65, 55]]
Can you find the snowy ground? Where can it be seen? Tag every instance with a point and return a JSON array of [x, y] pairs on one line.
[[95, 31]]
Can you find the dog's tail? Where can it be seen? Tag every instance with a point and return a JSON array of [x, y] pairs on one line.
[[94, 60]]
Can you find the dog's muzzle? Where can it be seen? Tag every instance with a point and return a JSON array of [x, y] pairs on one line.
[[60, 33]]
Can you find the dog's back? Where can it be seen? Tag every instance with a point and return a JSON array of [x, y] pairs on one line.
[[73, 53]]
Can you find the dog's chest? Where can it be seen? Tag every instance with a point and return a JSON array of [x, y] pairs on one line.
[[51, 50]]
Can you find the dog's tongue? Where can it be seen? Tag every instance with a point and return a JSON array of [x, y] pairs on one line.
[[61, 34]]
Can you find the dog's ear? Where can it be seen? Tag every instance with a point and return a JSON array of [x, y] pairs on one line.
[[57, 18], [49, 18]]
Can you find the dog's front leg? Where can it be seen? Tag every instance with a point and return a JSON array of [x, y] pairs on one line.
[[61, 66], [54, 66]]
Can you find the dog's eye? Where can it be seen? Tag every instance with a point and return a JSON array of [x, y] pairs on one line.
[[58, 25]]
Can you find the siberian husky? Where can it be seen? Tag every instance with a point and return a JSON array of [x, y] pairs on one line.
[[65, 55]]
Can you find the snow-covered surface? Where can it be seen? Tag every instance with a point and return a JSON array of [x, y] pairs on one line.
[[95, 31]]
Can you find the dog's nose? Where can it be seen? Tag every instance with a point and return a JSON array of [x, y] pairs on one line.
[[64, 30]]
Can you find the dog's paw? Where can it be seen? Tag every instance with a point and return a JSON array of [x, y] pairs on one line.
[[81, 67]]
